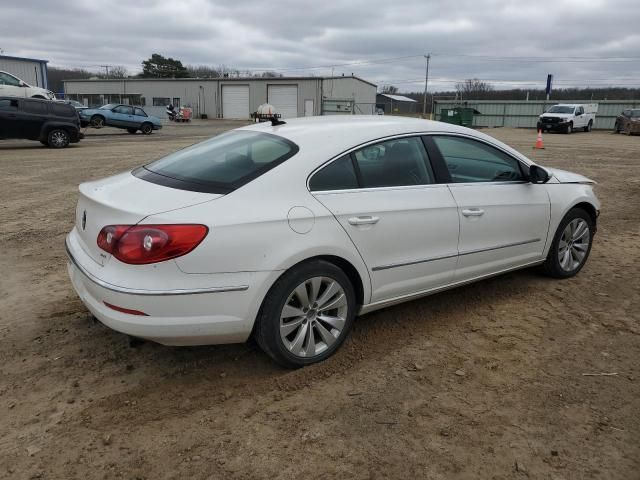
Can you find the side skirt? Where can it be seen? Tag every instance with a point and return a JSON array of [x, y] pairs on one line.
[[423, 293]]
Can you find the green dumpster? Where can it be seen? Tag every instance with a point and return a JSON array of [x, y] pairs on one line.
[[458, 115]]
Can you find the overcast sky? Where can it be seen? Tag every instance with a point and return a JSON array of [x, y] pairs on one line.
[[467, 38]]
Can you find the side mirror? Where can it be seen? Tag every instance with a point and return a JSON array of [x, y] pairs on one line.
[[23, 84], [538, 174]]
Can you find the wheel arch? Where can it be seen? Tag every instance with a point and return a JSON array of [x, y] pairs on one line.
[[587, 207]]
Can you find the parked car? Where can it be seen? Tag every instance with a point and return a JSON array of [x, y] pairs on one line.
[[568, 117], [12, 86], [120, 116], [75, 104], [53, 124], [287, 231], [628, 121]]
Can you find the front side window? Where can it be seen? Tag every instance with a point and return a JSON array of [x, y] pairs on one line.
[[221, 164], [472, 161], [31, 106], [124, 110], [6, 79], [139, 112]]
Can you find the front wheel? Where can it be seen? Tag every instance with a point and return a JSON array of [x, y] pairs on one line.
[[571, 245], [132, 131], [58, 138], [616, 128], [568, 129], [146, 128], [97, 121], [306, 315]]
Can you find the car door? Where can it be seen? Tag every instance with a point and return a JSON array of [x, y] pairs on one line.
[[32, 116], [122, 116], [581, 118], [139, 117], [504, 219], [9, 123], [403, 222], [11, 86]]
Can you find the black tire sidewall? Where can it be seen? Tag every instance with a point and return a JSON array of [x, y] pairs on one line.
[[96, 118], [552, 264], [52, 144], [146, 126], [268, 323]]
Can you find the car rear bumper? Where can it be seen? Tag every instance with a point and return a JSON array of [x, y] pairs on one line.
[[195, 316]]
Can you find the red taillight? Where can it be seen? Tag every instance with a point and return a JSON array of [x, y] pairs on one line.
[[142, 244]]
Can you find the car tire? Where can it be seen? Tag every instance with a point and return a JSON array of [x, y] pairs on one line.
[[58, 138], [44, 142], [571, 245], [146, 128], [132, 131], [315, 334], [589, 126], [568, 129], [616, 128], [97, 121]]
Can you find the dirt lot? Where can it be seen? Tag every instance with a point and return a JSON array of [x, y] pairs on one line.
[[485, 381]]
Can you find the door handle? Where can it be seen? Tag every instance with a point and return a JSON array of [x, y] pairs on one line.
[[473, 212], [364, 220]]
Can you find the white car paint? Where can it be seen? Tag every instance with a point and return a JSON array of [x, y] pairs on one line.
[[580, 114], [422, 241], [12, 86]]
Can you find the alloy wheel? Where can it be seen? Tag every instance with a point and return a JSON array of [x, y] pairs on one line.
[[574, 244], [58, 139], [313, 317]]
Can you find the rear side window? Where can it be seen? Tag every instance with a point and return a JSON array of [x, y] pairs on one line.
[[8, 104], [473, 161], [39, 108], [62, 110], [221, 164], [140, 112], [338, 175]]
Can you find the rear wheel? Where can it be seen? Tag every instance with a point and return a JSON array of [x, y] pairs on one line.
[[589, 126], [617, 128], [571, 245], [306, 315], [146, 128], [58, 138], [132, 130]]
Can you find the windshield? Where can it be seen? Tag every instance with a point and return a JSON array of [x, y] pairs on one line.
[[221, 164], [109, 106], [635, 113], [560, 109]]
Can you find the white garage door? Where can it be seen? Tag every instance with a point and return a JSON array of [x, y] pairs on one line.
[[284, 98], [235, 101]]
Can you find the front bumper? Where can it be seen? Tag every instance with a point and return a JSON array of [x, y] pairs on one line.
[[194, 316], [559, 126]]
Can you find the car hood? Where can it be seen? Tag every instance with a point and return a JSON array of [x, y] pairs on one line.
[[556, 115], [564, 176]]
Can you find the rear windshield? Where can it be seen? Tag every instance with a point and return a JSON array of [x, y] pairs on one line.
[[221, 164]]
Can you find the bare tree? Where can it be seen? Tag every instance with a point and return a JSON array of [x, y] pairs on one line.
[[474, 89], [204, 71], [390, 89], [118, 71]]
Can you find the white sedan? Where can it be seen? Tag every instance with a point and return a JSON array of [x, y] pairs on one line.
[[287, 231]]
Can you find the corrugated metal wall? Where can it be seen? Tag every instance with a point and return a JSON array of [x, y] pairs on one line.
[[523, 114], [34, 72], [204, 96]]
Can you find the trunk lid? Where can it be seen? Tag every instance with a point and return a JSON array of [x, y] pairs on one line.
[[124, 200]]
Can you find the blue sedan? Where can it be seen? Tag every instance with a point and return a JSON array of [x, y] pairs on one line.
[[120, 116]]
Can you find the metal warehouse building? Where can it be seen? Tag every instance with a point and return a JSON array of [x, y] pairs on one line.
[[234, 98], [31, 70]]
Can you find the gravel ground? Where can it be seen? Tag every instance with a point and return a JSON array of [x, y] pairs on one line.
[[485, 381]]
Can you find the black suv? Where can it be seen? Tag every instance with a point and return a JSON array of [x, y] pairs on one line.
[[53, 124]]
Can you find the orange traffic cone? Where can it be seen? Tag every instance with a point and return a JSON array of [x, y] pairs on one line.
[[539, 145]]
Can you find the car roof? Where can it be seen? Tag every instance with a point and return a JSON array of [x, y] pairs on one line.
[[331, 135]]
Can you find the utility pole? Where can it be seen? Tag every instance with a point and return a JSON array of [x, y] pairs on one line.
[[106, 69], [426, 83]]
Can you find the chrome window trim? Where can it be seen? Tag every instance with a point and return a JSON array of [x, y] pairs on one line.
[[156, 293], [460, 254]]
